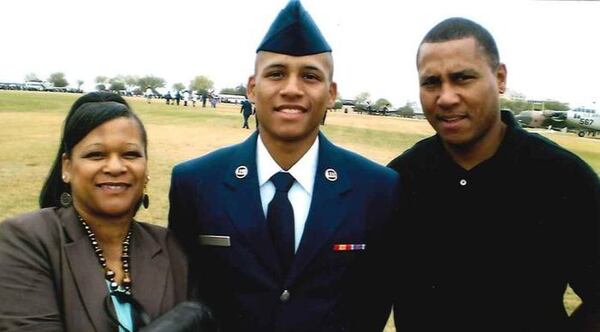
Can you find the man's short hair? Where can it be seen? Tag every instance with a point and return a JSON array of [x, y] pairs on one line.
[[458, 28]]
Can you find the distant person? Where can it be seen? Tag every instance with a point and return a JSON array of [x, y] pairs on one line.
[[289, 229], [82, 262], [213, 101], [186, 97], [193, 98], [500, 220], [177, 97], [384, 109], [148, 94], [204, 97], [246, 111], [168, 97]]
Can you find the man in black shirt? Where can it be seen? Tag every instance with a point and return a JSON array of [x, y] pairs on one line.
[[499, 221]]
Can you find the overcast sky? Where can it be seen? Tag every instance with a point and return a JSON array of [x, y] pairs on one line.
[[551, 48]]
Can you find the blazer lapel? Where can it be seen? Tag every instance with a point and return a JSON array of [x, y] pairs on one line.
[[86, 270], [243, 204], [327, 207], [149, 270]]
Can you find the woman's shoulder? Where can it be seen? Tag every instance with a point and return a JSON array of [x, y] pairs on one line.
[[34, 222], [154, 230], [36, 232], [160, 234]]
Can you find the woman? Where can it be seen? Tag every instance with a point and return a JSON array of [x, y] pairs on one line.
[[82, 263]]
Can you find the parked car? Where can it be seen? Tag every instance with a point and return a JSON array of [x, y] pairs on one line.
[[34, 86]]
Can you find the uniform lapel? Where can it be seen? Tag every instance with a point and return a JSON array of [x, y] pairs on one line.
[[243, 204], [327, 207], [149, 270], [86, 270]]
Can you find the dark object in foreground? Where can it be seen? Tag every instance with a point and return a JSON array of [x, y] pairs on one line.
[[184, 317]]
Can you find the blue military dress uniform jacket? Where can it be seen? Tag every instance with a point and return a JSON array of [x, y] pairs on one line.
[[216, 213]]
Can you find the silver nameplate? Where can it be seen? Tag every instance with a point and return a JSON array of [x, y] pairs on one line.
[[214, 240]]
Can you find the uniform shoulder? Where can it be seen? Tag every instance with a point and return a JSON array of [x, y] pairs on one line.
[[210, 162]]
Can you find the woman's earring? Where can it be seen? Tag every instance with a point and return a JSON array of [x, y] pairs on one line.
[[145, 199], [66, 199]]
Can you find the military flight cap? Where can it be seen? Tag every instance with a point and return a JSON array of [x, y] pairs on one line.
[[294, 33]]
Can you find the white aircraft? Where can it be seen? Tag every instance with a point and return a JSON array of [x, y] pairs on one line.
[[584, 120]]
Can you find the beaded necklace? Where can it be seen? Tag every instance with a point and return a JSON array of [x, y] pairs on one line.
[[108, 273]]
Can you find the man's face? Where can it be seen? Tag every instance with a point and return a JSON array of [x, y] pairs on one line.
[[291, 94], [459, 90]]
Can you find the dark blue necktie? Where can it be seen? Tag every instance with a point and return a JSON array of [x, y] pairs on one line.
[[280, 218]]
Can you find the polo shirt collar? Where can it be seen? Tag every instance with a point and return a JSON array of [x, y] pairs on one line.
[[505, 152]]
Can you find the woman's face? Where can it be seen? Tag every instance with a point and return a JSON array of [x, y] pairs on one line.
[[107, 170]]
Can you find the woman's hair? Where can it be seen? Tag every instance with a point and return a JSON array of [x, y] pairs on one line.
[[87, 113]]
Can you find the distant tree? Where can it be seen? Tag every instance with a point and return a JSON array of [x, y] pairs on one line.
[[150, 81], [58, 80], [116, 84], [32, 77], [228, 91], [362, 97], [131, 82], [101, 79], [202, 84], [382, 102], [178, 86], [556, 105], [101, 87], [407, 111], [123, 82], [517, 106], [79, 84], [337, 105], [239, 90]]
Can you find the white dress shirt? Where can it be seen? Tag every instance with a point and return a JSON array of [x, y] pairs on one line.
[[300, 194]]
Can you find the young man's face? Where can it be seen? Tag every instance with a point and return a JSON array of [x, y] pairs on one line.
[[459, 90], [291, 94]]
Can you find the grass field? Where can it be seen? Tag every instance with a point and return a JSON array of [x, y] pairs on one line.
[[31, 122]]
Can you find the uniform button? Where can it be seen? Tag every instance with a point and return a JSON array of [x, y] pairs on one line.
[[285, 296], [463, 182]]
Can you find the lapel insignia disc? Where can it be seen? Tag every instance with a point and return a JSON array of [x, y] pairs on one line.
[[331, 174], [241, 172]]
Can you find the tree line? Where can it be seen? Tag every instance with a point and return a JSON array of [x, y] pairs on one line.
[[204, 85]]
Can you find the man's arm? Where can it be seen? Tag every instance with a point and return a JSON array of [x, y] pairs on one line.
[[183, 226], [585, 271]]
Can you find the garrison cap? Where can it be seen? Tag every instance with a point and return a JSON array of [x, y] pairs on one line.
[[294, 33]]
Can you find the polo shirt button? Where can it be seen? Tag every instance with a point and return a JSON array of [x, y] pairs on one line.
[[463, 182], [285, 296]]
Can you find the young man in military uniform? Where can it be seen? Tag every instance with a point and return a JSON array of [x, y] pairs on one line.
[[499, 220], [286, 231]]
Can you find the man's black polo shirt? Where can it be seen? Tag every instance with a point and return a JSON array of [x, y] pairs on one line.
[[493, 248]]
